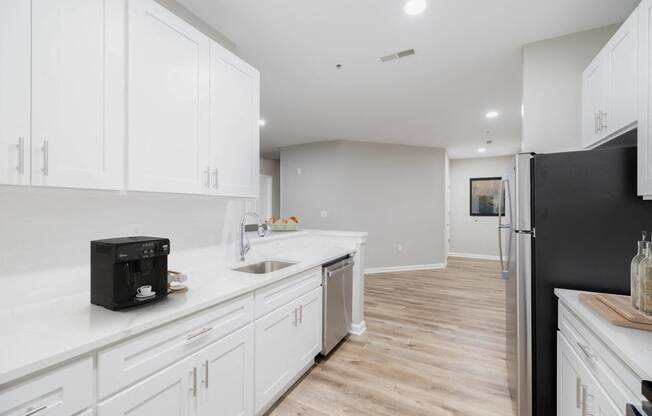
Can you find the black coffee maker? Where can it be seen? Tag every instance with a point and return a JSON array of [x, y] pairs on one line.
[[129, 271]]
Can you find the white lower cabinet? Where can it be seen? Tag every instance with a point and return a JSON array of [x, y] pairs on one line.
[[227, 375], [218, 362], [61, 392], [578, 392], [287, 341]]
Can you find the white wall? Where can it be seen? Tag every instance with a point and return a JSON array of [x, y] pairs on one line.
[[394, 192], [475, 236], [272, 168], [51, 228], [552, 89]]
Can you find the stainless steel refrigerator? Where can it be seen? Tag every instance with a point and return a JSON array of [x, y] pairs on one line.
[[571, 220]]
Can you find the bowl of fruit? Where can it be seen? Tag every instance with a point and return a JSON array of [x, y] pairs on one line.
[[283, 224]]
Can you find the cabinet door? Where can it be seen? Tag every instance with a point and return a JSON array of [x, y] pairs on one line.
[[227, 375], [14, 92], [78, 93], [274, 338], [171, 392], [622, 56], [309, 328], [168, 101], [644, 99], [594, 81], [569, 382], [234, 128]]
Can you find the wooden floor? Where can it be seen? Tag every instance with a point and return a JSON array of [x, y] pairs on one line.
[[435, 345]]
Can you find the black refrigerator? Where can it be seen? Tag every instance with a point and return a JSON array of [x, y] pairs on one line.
[[571, 221]]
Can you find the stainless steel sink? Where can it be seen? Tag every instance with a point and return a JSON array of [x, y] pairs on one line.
[[264, 267]]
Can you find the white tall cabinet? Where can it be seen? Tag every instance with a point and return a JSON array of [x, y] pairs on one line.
[[77, 93], [14, 92], [61, 93], [234, 128], [168, 101]]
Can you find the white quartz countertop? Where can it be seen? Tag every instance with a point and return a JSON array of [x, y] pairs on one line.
[[633, 346], [40, 330]]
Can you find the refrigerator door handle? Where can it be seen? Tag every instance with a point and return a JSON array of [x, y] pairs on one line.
[[502, 226]]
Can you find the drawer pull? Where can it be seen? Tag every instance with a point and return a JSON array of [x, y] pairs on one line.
[[587, 351], [578, 393], [35, 411], [200, 333]]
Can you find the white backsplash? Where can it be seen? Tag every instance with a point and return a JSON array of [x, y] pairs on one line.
[[42, 228]]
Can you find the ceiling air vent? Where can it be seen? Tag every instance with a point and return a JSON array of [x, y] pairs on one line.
[[397, 55]]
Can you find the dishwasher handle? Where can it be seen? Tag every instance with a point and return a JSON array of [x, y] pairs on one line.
[[339, 267]]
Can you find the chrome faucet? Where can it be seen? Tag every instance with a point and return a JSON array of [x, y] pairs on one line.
[[245, 245]]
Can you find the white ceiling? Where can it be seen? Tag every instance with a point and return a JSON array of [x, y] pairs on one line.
[[468, 61]]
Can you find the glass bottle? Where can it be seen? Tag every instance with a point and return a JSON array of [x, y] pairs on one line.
[[635, 271], [645, 282]]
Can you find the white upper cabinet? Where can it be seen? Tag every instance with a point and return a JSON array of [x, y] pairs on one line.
[[78, 93], [644, 100], [168, 102], [14, 92], [622, 59], [593, 99], [609, 87], [234, 128]]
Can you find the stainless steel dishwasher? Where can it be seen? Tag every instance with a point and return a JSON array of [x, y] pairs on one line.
[[337, 282]]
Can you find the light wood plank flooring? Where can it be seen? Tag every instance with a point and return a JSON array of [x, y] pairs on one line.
[[435, 345]]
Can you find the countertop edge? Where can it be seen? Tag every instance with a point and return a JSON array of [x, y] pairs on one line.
[[570, 299]]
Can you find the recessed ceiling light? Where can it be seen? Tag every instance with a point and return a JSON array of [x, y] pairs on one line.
[[492, 114], [482, 149], [414, 7], [262, 122]]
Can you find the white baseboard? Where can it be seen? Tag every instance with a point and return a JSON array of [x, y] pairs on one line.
[[410, 268], [358, 329], [474, 256]]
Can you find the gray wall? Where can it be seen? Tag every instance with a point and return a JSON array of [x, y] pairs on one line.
[[473, 235], [394, 192], [552, 89], [272, 168]]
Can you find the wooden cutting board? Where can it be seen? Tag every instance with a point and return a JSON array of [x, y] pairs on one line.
[[623, 305], [594, 301]]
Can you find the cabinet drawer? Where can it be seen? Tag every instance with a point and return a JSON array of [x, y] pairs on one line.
[[63, 391], [274, 296], [610, 372], [126, 363]]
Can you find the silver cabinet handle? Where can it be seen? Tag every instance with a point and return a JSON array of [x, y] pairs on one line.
[[31, 412], [21, 156], [603, 125], [202, 331], [194, 382], [46, 157], [207, 177], [595, 123], [578, 393], [587, 351], [206, 373], [301, 314], [216, 177], [296, 320]]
